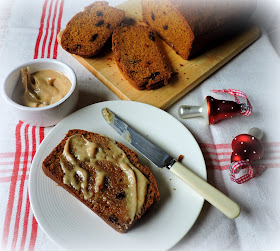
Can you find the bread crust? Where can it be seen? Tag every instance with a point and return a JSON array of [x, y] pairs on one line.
[[51, 167]]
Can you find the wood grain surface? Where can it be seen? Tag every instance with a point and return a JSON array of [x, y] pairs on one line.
[[190, 72]]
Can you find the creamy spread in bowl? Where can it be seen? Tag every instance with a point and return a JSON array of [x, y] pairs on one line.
[[40, 113], [41, 88]]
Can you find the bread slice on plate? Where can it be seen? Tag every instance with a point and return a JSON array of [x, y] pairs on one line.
[[139, 58], [104, 175], [87, 32]]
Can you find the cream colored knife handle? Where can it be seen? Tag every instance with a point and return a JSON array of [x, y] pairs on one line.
[[227, 206]]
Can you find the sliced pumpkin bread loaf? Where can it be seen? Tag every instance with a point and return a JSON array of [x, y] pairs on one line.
[[192, 26]]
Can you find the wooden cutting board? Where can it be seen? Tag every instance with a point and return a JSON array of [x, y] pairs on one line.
[[190, 72]]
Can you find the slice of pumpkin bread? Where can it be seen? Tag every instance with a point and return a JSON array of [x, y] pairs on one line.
[[104, 175], [88, 31], [139, 58]]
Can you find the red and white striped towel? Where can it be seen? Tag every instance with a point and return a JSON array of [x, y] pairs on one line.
[[19, 228], [32, 32]]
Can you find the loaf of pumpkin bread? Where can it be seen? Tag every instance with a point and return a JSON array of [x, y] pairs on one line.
[[192, 26]]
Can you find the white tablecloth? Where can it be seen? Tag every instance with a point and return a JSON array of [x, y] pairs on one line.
[[32, 28]]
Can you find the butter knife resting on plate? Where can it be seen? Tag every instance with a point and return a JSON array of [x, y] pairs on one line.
[[163, 160]]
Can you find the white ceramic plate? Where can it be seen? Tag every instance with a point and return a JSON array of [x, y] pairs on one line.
[[72, 225]]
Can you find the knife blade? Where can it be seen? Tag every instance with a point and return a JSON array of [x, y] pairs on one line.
[[163, 160]]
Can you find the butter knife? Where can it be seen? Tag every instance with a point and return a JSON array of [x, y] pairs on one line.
[[163, 160]]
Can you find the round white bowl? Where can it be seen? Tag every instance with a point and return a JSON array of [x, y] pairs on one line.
[[41, 116]]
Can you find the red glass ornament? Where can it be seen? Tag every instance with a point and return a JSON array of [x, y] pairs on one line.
[[222, 109], [212, 110], [247, 147]]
